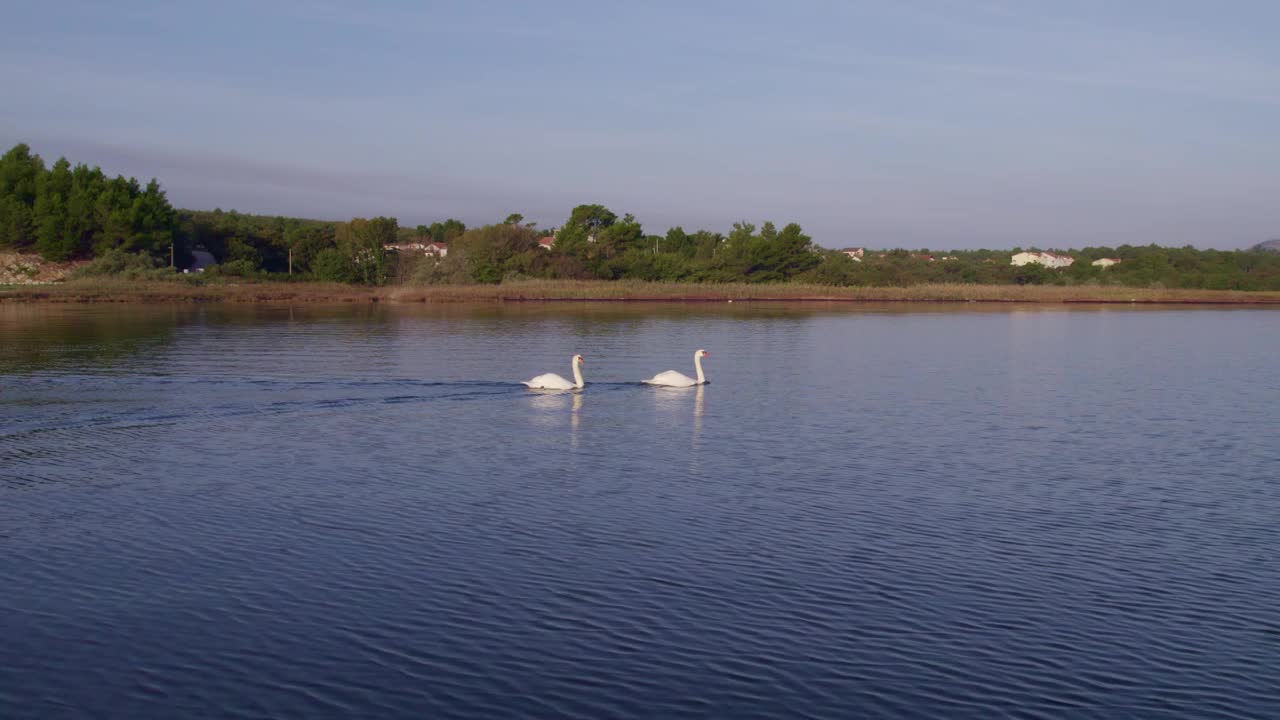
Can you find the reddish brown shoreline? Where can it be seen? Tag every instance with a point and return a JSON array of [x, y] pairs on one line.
[[119, 291]]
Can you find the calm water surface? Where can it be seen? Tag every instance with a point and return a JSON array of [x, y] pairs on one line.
[[869, 512]]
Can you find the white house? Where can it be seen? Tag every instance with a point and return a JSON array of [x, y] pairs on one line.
[[403, 247], [437, 249], [547, 242], [1106, 262], [1047, 259], [854, 254]]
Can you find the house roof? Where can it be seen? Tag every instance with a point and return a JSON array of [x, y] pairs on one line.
[[1041, 253]]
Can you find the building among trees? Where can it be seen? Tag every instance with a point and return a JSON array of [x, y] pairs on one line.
[[1047, 259]]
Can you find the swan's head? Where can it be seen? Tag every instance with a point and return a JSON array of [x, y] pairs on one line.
[[577, 359], [702, 354]]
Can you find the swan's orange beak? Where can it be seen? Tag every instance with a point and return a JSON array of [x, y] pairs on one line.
[[581, 361]]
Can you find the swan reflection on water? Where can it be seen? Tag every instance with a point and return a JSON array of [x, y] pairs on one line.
[[699, 407], [551, 407], [674, 402], [574, 419]]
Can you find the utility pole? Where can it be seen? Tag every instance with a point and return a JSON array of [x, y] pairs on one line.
[[290, 259], [171, 255]]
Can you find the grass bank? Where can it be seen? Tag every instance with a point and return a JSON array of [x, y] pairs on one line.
[[115, 290]]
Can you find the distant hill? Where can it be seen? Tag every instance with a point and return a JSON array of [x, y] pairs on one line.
[[1272, 245]]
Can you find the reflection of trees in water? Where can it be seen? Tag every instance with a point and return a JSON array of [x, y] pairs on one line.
[[39, 337], [44, 337], [373, 316], [606, 319]]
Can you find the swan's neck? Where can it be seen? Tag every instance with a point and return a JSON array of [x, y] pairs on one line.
[[577, 374], [697, 364]]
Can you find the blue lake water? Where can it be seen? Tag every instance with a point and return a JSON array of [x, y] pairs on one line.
[[949, 512]]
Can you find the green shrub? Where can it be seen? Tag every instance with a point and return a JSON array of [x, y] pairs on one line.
[[451, 270], [243, 268], [119, 262], [332, 265]]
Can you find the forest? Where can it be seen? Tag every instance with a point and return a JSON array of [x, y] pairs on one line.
[[64, 212]]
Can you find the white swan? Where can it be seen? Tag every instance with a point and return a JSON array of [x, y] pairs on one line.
[[552, 381], [671, 378]]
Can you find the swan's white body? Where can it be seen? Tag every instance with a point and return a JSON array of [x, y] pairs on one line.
[[671, 378], [552, 381]]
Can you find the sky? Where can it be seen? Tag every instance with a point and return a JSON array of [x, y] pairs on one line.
[[917, 123]]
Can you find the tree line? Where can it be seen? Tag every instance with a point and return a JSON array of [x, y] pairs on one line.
[[65, 212]]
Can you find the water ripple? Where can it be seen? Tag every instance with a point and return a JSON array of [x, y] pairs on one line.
[[341, 516]]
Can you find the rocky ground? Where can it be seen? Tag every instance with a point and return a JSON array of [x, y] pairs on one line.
[[24, 269]]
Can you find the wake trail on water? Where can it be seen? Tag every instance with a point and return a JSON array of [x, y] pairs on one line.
[[118, 403]]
